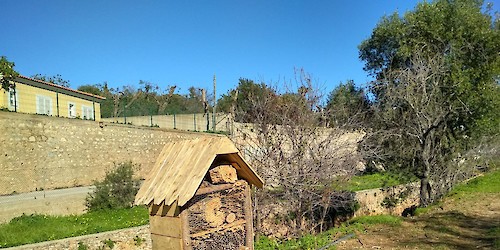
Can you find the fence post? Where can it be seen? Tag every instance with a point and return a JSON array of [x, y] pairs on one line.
[[93, 107], [174, 122], [57, 103], [151, 123], [194, 119], [208, 121], [125, 114]]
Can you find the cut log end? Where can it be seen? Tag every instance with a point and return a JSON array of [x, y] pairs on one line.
[[223, 174]]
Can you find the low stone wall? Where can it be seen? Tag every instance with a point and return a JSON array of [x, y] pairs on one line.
[[41, 152], [123, 239], [390, 200]]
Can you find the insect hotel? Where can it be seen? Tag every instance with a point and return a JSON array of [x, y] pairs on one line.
[[198, 194]]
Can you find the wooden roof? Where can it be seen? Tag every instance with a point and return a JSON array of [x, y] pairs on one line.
[[182, 165]]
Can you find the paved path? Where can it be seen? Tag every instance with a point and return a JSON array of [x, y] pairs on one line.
[[52, 202]]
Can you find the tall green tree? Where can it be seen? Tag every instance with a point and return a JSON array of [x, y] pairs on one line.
[[347, 106], [241, 100], [435, 70]]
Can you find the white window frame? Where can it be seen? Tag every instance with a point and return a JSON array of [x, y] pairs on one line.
[[87, 112], [10, 92], [47, 104], [71, 109]]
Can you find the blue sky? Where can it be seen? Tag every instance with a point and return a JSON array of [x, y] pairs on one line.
[[184, 43]]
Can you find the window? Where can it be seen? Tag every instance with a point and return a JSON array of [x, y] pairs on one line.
[[87, 113], [71, 110], [43, 105], [13, 99]]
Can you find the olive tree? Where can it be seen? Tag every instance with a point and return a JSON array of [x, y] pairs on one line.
[[435, 70]]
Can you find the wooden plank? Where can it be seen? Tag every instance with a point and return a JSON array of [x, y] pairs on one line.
[[163, 242], [166, 186], [186, 240], [213, 189], [249, 237], [223, 227], [193, 160], [145, 193], [166, 226]]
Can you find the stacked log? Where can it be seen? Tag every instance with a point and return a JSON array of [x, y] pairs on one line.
[[216, 214]]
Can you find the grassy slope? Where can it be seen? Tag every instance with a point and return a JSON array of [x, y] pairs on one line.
[[37, 228], [443, 221], [376, 180], [467, 218], [316, 241]]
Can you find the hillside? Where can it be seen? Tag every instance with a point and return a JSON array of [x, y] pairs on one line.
[[468, 218]]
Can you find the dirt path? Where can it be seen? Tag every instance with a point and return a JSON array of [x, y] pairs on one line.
[[465, 222]]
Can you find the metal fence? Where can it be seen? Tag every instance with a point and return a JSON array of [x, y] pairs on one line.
[[203, 122]]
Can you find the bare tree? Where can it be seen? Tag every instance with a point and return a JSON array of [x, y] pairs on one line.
[[153, 92], [300, 161]]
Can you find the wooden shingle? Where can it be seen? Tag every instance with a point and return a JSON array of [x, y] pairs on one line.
[[182, 165]]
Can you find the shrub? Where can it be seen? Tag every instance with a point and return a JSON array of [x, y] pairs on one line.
[[117, 190]]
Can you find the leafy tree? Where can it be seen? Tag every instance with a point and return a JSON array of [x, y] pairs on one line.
[[7, 72], [347, 106], [241, 100], [435, 70], [92, 89], [56, 79]]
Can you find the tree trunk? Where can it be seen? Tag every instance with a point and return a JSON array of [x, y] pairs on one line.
[[425, 187], [425, 191]]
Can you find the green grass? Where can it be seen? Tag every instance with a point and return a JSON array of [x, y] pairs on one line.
[[358, 224], [378, 220], [376, 180], [29, 229], [488, 183]]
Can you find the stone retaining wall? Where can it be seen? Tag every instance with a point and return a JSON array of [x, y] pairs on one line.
[[40, 152]]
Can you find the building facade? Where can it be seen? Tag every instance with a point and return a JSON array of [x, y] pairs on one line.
[[32, 96]]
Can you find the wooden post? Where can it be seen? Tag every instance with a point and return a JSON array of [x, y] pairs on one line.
[[186, 237], [248, 217]]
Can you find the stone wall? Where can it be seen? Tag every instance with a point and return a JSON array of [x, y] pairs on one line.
[[129, 239], [40, 152], [390, 200]]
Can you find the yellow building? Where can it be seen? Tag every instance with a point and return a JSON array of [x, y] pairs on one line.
[[34, 96]]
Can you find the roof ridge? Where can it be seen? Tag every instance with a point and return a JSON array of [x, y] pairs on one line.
[[61, 87]]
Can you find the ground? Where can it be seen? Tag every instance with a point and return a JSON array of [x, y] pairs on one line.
[[469, 221]]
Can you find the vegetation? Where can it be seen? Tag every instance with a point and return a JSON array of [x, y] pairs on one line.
[[148, 99], [29, 229], [435, 90], [348, 106], [356, 225], [488, 183], [6, 72], [116, 191], [376, 180], [398, 231], [56, 79]]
